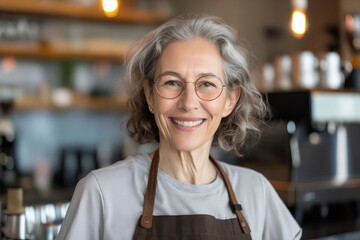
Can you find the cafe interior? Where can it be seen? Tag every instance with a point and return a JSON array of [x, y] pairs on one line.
[[63, 111]]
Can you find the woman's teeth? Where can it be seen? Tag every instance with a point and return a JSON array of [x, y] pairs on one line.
[[188, 123]]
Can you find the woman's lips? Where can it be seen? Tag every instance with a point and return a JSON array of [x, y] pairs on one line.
[[188, 123]]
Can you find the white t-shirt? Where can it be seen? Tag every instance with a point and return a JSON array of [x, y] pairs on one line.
[[108, 202]]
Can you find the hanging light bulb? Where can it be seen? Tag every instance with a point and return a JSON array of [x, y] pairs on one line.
[[110, 7], [298, 22]]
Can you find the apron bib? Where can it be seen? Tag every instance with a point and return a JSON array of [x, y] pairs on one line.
[[187, 227]]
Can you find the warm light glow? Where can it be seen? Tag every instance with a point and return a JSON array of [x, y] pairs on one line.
[[110, 7], [298, 23], [349, 23], [8, 64]]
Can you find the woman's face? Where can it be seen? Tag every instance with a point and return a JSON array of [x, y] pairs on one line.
[[187, 122]]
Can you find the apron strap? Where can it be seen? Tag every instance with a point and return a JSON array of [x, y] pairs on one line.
[[147, 217], [234, 205]]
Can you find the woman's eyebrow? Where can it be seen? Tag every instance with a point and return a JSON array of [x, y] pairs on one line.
[[207, 74], [172, 73]]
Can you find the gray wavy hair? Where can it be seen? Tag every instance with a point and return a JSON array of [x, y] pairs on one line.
[[236, 131]]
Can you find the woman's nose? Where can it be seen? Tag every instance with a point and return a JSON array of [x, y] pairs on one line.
[[188, 99]]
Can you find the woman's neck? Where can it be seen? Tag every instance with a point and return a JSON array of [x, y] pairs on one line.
[[192, 167]]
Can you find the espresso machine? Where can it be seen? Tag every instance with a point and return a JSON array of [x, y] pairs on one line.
[[310, 148]]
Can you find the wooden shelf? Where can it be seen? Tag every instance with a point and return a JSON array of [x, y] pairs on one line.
[[77, 102], [102, 49], [89, 49], [67, 9], [62, 49]]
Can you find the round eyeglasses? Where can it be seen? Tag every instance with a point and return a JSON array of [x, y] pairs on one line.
[[207, 87]]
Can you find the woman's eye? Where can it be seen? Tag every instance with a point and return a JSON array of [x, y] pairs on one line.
[[173, 83], [206, 84]]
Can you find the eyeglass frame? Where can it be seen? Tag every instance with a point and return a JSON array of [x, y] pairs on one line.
[[183, 87]]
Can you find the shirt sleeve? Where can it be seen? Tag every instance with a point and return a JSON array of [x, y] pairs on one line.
[[84, 217], [279, 222]]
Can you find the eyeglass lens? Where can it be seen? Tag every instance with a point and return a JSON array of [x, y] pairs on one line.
[[207, 87]]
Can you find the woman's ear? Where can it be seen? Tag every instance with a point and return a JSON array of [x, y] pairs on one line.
[[231, 100], [148, 94]]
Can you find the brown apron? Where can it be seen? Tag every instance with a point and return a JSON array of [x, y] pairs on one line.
[[199, 227]]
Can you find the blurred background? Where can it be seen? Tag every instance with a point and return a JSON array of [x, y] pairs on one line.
[[63, 112]]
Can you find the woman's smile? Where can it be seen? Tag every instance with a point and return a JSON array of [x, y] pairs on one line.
[[187, 123]]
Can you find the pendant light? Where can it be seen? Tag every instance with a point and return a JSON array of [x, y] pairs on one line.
[[110, 7], [298, 23]]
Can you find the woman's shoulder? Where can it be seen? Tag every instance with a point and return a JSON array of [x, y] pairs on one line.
[[244, 172], [245, 177], [122, 170], [130, 162]]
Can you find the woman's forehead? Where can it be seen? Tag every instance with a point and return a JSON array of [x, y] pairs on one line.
[[191, 57]]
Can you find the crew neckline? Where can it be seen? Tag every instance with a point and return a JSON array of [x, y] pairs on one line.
[[188, 187]]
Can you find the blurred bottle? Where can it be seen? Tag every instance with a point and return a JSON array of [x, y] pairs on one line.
[[331, 75], [43, 175], [267, 80], [305, 70], [283, 70]]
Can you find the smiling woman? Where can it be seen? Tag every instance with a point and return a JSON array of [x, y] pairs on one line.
[[188, 120], [242, 127], [189, 87]]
